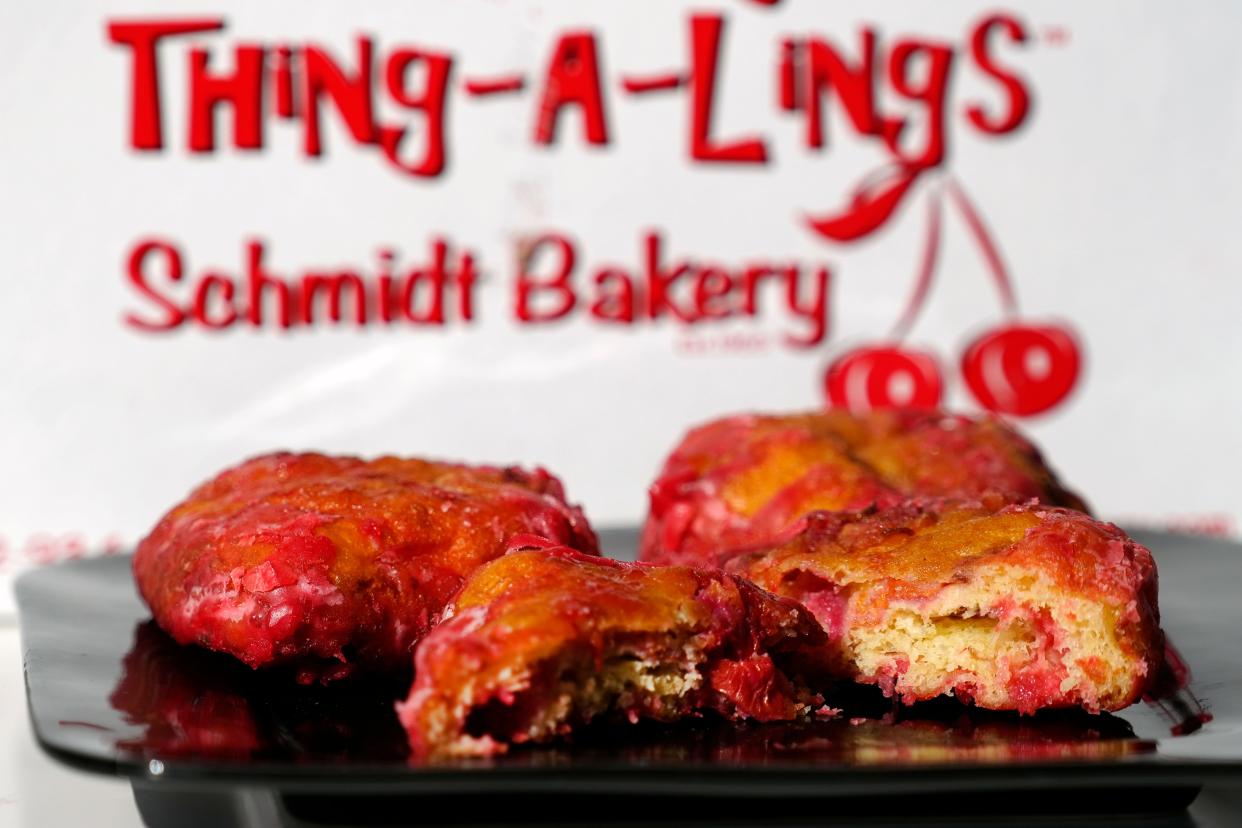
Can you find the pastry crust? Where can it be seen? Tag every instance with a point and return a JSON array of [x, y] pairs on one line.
[[544, 640], [1011, 607], [330, 563], [747, 480]]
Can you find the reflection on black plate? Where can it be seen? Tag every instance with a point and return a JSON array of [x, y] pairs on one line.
[[192, 703], [109, 691]]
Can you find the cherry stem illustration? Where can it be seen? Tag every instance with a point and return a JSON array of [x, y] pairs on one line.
[[983, 237], [927, 269], [879, 176]]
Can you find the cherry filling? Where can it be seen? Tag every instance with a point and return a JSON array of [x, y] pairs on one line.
[[1005, 654], [567, 692], [826, 601]]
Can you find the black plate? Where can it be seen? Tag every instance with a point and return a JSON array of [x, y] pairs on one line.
[[109, 692]]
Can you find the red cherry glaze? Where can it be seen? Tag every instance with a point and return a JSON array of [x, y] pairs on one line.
[[747, 480], [522, 643], [328, 564]]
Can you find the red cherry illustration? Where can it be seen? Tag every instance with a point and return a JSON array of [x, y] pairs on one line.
[[1022, 369], [872, 203], [883, 377], [890, 376]]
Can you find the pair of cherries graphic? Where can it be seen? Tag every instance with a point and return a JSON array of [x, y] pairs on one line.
[[1018, 369]]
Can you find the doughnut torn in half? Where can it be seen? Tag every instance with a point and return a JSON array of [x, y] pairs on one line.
[[1011, 607], [546, 639]]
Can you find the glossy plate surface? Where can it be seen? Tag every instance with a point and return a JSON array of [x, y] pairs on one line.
[[110, 692]]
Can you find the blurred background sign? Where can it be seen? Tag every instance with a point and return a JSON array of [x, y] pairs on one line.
[[563, 232]]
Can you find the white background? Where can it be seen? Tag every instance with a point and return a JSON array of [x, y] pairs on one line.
[[1116, 206]]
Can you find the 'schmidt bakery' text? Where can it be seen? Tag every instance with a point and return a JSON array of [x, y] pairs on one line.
[[394, 99]]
